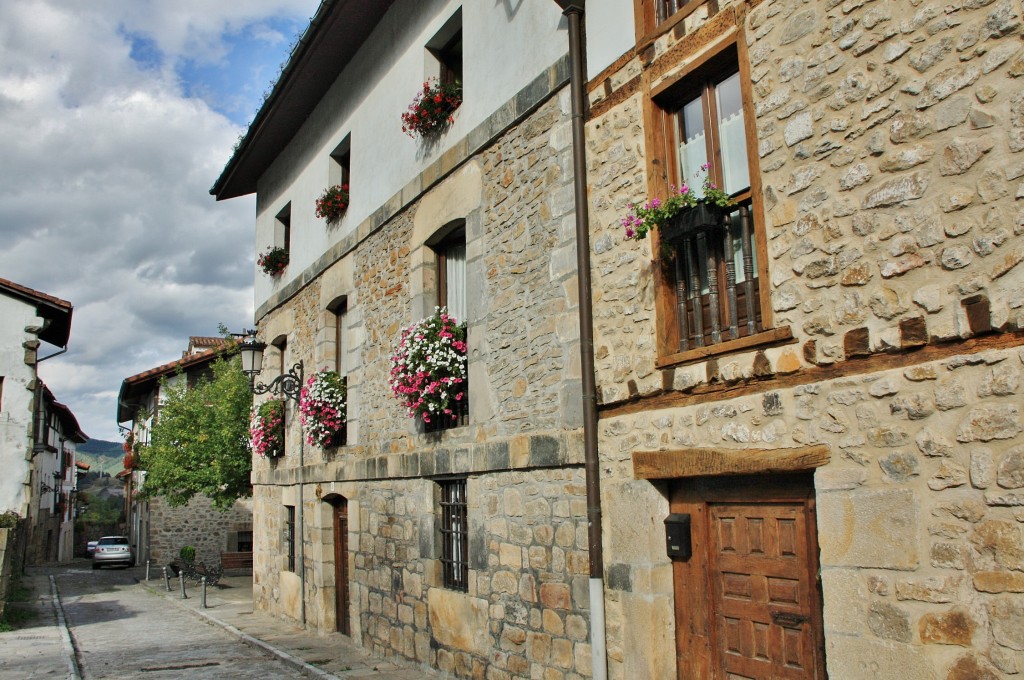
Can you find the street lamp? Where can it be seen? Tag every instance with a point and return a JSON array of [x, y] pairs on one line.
[[287, 384]]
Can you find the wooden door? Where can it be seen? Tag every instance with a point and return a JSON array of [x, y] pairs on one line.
[[341, 566], [748, 604]]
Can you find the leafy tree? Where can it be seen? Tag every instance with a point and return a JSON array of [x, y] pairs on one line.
[[200, 440]]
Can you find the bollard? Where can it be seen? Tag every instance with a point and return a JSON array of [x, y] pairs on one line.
[[181, 579], [167, 580], [202, 599], [147, 571]]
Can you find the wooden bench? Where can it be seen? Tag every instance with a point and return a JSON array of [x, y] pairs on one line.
[[236, 560]]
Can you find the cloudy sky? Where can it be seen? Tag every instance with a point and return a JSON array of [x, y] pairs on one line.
[[116, 117]]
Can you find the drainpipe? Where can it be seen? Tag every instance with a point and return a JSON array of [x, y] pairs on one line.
[[301, 530], [573, 11]]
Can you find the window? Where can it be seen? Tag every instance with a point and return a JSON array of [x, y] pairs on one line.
[[289, 536], [341, 163], [280, 343], [339, 309], [657, 16], [244, 541], [283, 228], [451, 293], [446, 50], [1, 393], [454, 534], [714, 267]]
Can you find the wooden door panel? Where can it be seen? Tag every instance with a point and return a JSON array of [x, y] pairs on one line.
[[341, 603], [762, 589], [747, 601]]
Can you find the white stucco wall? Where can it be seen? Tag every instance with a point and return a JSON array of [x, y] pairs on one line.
[[16, 404], [506, 45], [611, 33]]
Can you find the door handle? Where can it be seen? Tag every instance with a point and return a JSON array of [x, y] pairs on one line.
[[788, 619]]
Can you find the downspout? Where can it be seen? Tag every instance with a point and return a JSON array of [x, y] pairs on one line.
[[573, 11], [301, 537]]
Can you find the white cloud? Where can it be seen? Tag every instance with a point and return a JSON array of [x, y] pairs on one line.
[[105, 176]]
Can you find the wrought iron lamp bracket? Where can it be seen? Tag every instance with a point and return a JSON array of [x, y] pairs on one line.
[[288, 385]]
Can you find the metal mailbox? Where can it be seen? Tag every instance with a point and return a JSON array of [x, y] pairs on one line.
[[677, 536]]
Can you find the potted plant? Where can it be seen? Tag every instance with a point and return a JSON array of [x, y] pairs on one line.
[[432, 109], [333, 203], [683, 212], [428, 368], [266, 428], [274, 261], [322, 404]]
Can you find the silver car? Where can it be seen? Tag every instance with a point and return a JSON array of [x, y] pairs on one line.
[[112, 550]]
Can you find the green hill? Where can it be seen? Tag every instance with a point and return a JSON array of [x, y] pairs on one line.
[[99, 447]]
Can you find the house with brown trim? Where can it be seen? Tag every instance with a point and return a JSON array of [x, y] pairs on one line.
[[156, 529], [811, 435]]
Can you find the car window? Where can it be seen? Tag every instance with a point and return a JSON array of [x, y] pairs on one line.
[[113, 540]]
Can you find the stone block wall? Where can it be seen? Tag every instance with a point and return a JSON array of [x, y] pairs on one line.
[[889, 140], [889, 145], [919, 514], [198, 524], [526, 613], [526, 610]]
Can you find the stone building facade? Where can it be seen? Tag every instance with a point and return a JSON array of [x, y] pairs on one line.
[[350, 538], [871, 425]]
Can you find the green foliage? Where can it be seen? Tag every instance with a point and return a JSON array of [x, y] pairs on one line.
[[8, 520], [188, 553], [104, 510], [200, 440]]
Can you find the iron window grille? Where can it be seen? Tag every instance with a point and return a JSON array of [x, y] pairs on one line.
[[289, 537], [454, 535]]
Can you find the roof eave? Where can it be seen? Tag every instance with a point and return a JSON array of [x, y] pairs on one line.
[[314, 64]]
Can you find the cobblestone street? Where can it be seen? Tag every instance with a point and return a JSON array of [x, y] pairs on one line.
[[119, 626]]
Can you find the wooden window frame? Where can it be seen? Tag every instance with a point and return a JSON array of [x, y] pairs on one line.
[[339, 310], [446, 48], [649, 23], [661, 106], [454, 509], [452, 234], [283, 222]]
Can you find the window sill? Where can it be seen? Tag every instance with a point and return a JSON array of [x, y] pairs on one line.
[[768, 337]]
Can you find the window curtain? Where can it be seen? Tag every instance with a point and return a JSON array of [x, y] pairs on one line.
[[455, 279]]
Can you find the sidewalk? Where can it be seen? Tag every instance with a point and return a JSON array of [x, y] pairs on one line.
[[328, 656]]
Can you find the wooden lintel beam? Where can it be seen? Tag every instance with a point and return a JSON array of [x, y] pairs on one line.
[[706, 462]]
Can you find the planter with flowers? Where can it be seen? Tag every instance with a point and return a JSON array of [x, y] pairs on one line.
[[682, 213], [266, 428], [428, 368], [273, 261], [432, 109], [333, 203], [322, 403]]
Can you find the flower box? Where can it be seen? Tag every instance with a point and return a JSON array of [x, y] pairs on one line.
[[273, 262], [700, 217], [333, 203], [432, 109]]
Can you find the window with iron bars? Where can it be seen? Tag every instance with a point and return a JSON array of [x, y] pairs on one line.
[[717, 288], [454, 534], [289, 536]]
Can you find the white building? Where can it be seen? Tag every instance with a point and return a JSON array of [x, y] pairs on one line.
[[37, 433]]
